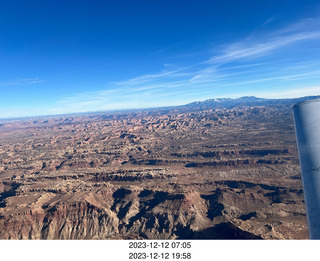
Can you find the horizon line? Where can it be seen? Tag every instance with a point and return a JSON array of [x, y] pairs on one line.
[[143, 108]]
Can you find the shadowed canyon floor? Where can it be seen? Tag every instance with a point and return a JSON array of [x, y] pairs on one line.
[[184, 173]]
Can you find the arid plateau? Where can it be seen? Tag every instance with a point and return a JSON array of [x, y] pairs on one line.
[[219, 169]]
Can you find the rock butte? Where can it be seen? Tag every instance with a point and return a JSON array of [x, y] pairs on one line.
[[191, 172]]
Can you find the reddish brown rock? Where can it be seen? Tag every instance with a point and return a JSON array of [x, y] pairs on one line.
[[204, 173]]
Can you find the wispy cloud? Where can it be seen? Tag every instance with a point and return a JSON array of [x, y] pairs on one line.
[[245, 49], [260, 45], [268, 21], [20, 82], [234, 65], [289, 93], [152, 77]]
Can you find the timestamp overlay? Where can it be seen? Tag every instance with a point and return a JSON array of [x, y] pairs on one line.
[[205, 250], [160, 250], [127, 250]]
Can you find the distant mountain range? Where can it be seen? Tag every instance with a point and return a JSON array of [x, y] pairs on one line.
[[216, 103], [245, 101]]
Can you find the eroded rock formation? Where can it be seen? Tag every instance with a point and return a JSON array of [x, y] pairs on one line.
[[166, 174]]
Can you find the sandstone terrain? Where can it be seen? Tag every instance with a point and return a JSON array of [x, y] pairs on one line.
[[203, 171]]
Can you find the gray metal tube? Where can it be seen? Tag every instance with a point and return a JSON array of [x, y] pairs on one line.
[[307, 125]]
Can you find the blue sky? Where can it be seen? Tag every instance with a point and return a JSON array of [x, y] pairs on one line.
[[87, 55]]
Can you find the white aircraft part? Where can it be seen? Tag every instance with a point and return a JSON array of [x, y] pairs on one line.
[[307, 125]]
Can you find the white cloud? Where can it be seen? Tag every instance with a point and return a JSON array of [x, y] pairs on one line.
[[270, 20], [233, 66], [18, 82], [150, 77], [303, 30], [290, 93], [242, 50]]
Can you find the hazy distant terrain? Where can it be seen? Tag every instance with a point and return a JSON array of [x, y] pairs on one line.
[[220, 168]]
